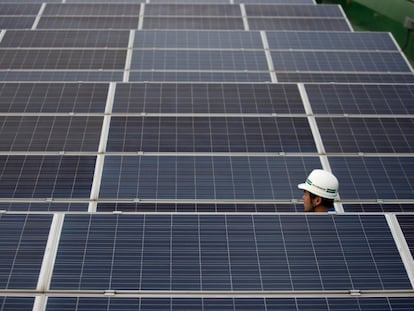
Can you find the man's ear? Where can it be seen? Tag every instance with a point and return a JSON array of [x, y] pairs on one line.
[[317, 201]]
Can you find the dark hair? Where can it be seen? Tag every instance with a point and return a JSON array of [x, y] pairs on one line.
[[329, 203]]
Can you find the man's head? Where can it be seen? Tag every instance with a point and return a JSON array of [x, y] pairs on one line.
[[320, 190]]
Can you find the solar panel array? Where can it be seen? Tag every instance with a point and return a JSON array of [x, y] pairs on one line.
[[150, 152]]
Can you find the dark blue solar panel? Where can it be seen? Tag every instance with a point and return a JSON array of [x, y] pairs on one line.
[[232, 252], [374, 177], [16, 303], [207, 98], [192, 10], [293, 10], [43, 206], [46, 176], [61, 75], [339, 61], [198, 39], [374, 41], [388, 135], [199, 76], [209, 134], [198, 60], [193, 23], [407, 227], [50, 133], [204, 177], [53, 97], [88, 22], [88, 9], [361, 99], [22, 241], [342, 77], [376, 207], [230, 304], [298, 24]]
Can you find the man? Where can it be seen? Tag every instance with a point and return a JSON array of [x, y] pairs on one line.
[[319, 191]]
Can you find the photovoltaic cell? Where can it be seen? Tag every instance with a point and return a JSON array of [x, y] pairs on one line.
[[88, 22], [62, 59], [43, 207], [227, 252], [206, 98], [390, 135], [89, 9], [375, 207], [292, 23], [407, 226], [209, 134], [198, 39], [21, 133], [46, 176], [19, 9], [20, 22], [345, 77], [96, 75], [210, 23], [204, 177], [293, 10], [192, 10], [53, 97], [23, 240], [198, 60], [361, 99], [199, 207], [374, 178], [339, 61], [230, 304], [16, 303], [374, 41], [199, 76], [275, 1]]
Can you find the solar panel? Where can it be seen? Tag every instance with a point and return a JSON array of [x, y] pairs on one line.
[[375, 135], [230, 304], [16, 303], [202, 134], [207, 98], [87, 22], [65, 39], [43, 206], [197, 39], [95, 75], [375, 207], [19, 9], [227, 252], [292, 23], [23, 240], [339, 77], [324, 10], [21, 22], [46, 176], [50, 133], [361, 99], [199, 76], [204, 177], [406, 224], [218, 23], [52, 97], [89, 9], [192, 10]]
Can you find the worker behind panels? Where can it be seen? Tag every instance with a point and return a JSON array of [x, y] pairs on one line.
[[319, 191]]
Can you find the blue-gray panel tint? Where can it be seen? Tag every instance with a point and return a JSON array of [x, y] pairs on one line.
[[209, 134], [65, 39], [193, 23], [86, 22], [23, 240], [339, 61], [374, 41], [62, 59], [199, 60], [376, 207], [199, 76], [345, 77], [214, 177], [46, 176], [18, 22], [293, 10], [199, 207], [37, 206], [53, 97], [361, 99], [376, 135], [89, 9], [192, 10], [16, 303], [50, 133], [376, 178], [407, 227], [227, 252], [61, 75], [198, 39], [230, 304], [274, 1], [19, 9], [299, 24], [207, 98]]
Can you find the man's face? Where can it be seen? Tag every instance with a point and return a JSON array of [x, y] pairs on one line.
[[307, 201]]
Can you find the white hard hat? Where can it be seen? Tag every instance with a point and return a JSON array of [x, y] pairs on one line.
[[321, 183]]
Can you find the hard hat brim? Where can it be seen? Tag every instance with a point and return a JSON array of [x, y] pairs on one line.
[[316, 191]]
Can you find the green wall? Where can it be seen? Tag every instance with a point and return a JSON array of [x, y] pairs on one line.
[[381, 15]]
